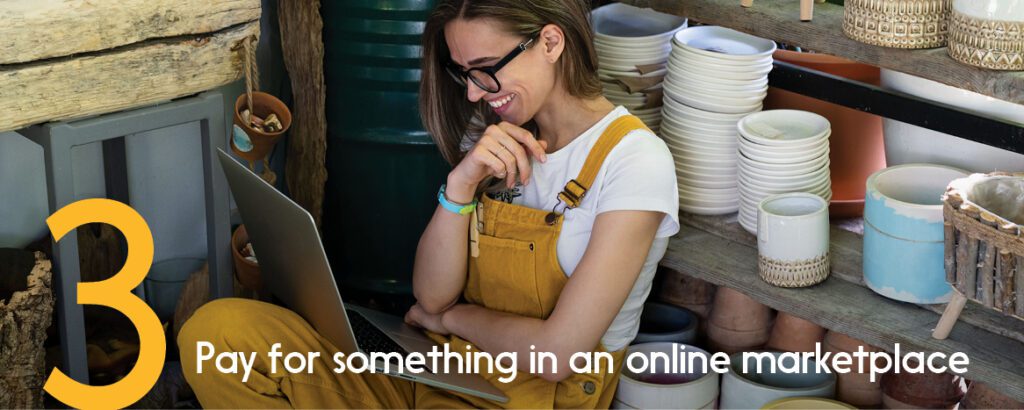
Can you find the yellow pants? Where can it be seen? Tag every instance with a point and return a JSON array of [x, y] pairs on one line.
[[240, 325]]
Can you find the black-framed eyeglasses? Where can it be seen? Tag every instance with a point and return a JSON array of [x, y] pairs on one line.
[[484, 77]]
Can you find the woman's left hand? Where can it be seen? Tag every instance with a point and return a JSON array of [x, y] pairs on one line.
[[417, 316]]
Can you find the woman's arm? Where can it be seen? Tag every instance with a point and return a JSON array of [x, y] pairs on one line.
[[439, 273], [589, 302]]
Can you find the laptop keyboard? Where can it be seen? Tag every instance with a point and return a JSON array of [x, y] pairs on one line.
[[370, 338]]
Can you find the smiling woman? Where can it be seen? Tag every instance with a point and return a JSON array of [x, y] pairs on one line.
[[545, 239]]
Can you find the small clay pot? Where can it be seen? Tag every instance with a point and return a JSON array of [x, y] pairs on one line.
[[686, 291], [922, 390], [738, 322], [261, 142], [793, 334], [981, 396], [853, 387], [247, 272]]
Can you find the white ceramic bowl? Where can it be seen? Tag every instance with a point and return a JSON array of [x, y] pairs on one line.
[[689, 58], [723, 97], [784, 158], [792, 151], [806, 166], [632, 52], [701, 131], [710, 194], [717, 72], [805, 182], [660, 388], [716, 90], [700, 210], [684, 146], [754, 389], [712, 78], [783, 127], [724, 43], [624, 24], [719, 105]]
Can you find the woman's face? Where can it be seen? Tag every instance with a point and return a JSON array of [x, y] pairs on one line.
[[526, 81]]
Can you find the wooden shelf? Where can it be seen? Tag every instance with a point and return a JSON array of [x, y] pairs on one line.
[[779, 20], [718, 250]]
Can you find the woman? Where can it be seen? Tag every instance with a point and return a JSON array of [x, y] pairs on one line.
[[556, 255]]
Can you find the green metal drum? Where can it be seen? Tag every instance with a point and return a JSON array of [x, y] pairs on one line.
[[383, 169]]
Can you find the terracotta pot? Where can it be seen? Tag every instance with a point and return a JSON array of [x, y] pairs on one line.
[[922, 390], [857, 147], [686, 291], [247, 272], [793, 334], [737, 322], [980, 396], [262, 142], [854, 388]]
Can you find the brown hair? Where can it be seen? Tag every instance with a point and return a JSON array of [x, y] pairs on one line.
[[447, 115]]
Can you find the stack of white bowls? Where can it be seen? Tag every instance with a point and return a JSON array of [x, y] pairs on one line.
[[716, 76], [781, 151], [626, 37]]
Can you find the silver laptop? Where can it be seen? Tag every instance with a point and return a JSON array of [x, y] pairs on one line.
[[295, 270]]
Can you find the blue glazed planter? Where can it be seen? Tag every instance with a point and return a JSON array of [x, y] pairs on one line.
[[903, 233]]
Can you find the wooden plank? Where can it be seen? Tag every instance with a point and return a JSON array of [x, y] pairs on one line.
[[38, 29], [850, 309], [303, 48], [847, 259], [132, 76], [779, 20]]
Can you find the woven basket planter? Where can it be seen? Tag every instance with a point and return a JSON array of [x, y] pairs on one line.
[[984, 255], [23, 322], [898, 23]]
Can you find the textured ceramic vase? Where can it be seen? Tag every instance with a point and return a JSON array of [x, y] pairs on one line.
[[737, 322], [988, 33], [898, 23], [903, 233], [793, 240]]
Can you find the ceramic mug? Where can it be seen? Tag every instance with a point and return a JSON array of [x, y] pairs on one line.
[[793, 240]]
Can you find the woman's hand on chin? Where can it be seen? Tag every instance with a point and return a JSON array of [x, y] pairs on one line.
[[419, 317], [502, 152]]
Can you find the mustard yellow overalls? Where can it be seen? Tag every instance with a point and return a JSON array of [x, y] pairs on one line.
[[517, 271]]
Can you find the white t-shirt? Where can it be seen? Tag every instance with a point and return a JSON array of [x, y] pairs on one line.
[[638, 174]]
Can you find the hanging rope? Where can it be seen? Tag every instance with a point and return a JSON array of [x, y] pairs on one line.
[[252, 74]]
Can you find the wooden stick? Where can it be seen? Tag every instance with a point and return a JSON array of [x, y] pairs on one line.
[[949, 316], [949, 235], [806, 10], [987, 275], [1018, 270], [1004, 283]]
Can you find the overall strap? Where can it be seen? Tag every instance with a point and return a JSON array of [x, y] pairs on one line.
[[574, 191]]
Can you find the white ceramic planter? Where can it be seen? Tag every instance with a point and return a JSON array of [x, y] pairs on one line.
[[690, 390], [23, 200], [906, 144], [903, 232], [755, 389], [793, 240]]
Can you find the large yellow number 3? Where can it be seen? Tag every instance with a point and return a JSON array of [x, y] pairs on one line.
[[115, 293]]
